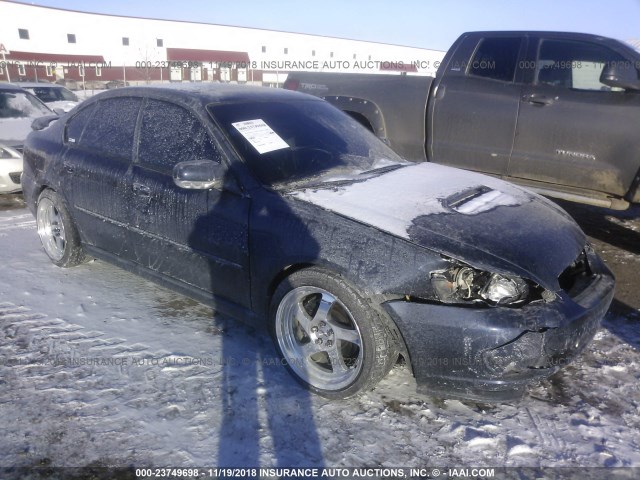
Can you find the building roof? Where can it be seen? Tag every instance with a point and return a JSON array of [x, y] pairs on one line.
[[192, 22]]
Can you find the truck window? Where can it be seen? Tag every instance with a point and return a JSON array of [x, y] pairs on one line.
[[574, 64], [496, 58]]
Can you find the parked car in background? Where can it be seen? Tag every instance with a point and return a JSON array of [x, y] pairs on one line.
[[92, 85], [76, 85], [116, 84], [18, 109], [55, 96], [10, 169], [555, 112], [276, 207], [69, 83]]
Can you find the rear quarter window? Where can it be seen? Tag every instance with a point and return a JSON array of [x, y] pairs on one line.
[[76, 125], [112, 126]]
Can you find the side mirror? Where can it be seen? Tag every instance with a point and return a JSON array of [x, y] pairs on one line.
[[620, 75], [199, 174], [41, 123]]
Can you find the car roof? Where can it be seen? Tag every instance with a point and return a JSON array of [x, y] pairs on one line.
[[10, 87], [209, 92], [37, 84], [611, 42], [537, 33]]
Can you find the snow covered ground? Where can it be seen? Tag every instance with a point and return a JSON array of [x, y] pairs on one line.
[[100, 367]]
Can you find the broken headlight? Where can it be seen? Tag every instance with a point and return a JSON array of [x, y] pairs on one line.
[[462, 284]]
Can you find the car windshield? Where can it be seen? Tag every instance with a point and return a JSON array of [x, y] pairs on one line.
[[21, 105], [54, 94], [302, 142]]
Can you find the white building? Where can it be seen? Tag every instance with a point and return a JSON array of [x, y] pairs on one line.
[[53, 44]]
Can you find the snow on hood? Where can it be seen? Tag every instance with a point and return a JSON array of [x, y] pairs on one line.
[[482, 220], [14, 131], [391, 202]]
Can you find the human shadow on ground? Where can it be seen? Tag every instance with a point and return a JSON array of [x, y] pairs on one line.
[[267, 418]]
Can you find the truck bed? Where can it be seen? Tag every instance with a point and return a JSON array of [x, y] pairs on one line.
[[402, 98]]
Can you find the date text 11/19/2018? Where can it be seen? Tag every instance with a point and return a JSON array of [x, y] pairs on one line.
[[314, 472]]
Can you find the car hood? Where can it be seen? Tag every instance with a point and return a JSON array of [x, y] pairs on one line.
[[481, 220], [14, 131]]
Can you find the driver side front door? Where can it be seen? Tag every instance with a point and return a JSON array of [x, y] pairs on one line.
[[195, 237]]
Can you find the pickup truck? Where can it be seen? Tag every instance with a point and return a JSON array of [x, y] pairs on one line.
[[558, 113]]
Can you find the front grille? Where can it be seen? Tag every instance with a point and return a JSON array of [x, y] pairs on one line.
[[15, 177], [576, 276]]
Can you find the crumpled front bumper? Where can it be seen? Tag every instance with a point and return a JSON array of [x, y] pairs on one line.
[[492, 354]]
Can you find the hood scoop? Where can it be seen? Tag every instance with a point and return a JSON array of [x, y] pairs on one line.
[[478, 199]]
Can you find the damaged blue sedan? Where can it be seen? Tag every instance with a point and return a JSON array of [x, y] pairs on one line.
[[277, 208]]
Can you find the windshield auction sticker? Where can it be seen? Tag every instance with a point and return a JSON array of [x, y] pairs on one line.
[[260, 135]]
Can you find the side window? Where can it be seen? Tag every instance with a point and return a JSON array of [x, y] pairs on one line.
[[496, 58], [574, 64], [112, 127], [75, 126], [45, 94], [171, 134]]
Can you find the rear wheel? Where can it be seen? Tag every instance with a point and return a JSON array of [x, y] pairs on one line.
[[58, 234], [331, 340]]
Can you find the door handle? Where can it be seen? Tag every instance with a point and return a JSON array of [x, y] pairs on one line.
[[537, 99], [69, 168], [141, 190]]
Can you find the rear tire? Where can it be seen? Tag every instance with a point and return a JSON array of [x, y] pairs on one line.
[[329, 337], [58, 234]]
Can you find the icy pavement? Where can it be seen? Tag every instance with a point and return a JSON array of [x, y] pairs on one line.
[[98, 366]]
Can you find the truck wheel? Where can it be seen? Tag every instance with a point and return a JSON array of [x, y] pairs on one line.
[[57, 231], [330, 340]]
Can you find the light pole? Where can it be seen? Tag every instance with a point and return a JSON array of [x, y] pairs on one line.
[[4, 61]]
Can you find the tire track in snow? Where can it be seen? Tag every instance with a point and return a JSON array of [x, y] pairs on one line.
[[76, 385], [545, 432], [15, 222]]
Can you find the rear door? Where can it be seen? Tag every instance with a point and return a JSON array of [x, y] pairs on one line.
[[572, 130], [198, 237], [474, 109], [99, 148]]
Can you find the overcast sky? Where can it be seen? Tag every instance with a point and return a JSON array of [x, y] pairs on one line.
[[420, 23]]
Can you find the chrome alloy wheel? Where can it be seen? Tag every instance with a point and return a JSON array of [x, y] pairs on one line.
[[51, 229], [319, 338]]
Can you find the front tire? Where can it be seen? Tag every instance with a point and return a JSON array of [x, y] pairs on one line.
[[58, 233], [331, 340]]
